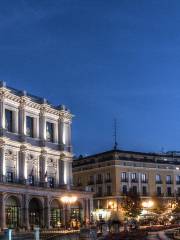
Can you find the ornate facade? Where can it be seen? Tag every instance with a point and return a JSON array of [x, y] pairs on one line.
[[36, 163]]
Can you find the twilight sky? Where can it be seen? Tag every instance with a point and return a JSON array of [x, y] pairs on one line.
[[104, 60]]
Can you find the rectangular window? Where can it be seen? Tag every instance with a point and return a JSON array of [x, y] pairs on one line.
[[124, 177], [31, 180], [144, 190], [143, 178], [177, 179], [108, 177], [109, 193], [99, 179], [168, 179], [124, 189], [134, 189], [99, 191], [8, 120], [169, 193], [10, 177], [159, 191], [49, 132], [133, 177], [178, 191], [29, 126], [91, 180], [51, 182], [158, 178]]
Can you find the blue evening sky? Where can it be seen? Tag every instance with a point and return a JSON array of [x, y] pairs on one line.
[[102, 59]]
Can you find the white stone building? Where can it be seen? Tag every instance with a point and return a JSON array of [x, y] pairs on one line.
[[36, 163]]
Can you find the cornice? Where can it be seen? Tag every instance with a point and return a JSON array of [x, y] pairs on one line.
[[26, 101]]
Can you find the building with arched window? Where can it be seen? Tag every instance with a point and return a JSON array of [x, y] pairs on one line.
[[36, 163]]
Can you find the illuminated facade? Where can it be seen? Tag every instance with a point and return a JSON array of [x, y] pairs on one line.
[[36, 163], [110, 175]]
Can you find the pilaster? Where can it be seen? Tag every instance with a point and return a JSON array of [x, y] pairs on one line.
[[42, 166], [2, 161], [22, 163], [2, 212], [47, 213]]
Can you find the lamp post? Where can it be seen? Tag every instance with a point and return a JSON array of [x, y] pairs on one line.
[[68, 200], [147, 205]]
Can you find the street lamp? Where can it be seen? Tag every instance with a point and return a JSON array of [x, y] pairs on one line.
[[68, 200], [147, 204]]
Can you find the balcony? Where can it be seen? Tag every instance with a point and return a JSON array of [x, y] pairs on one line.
[[98, 195], [108, 180], [134, 180], [169, 182], [91, 182], [108, 194], [158, 181], [144, 181], [145, 194], [169, 194], [159, 194], [124, 180], [99, 181]]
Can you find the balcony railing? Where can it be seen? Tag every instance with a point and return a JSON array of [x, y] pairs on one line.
[[108, 180], [159, 194], [169, 182], [158, 181], [99, 181], [108, 194], [91, 182], [98, 195], [124, 179], [144, 181], [145, 194], [169, 194], [134, 180]]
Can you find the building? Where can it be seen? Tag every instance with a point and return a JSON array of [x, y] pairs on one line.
[[110, 175], [36, 164]]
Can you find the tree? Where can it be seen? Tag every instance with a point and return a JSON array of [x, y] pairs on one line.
[[131, 204], [159, 206], [177, 207]]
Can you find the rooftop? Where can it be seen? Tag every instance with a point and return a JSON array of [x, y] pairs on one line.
[[32, 97]]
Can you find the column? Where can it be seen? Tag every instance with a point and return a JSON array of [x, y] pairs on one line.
[[22, 118], [2, 112], [69, 137], [55, 133], [139, 179], [90, 207], [47, 213], [42, 124], [22, 163], [61, 171], [36, 127], [70, 173], [61, 134], [2, 162], [26, 211], [2, 212], [42, 166], [15, 122]]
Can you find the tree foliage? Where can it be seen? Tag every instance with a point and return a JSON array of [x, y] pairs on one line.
[[159, 205], [131, 204]]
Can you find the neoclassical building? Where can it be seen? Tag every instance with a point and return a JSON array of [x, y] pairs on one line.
[[110, 175], [36, 163]]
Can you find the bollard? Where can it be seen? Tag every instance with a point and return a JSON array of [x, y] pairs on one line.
[[36, 233], [8, 234]]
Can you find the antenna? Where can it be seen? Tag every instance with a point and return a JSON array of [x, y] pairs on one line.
[[115, 134]]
